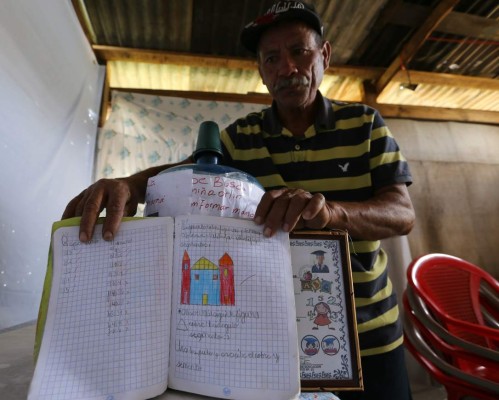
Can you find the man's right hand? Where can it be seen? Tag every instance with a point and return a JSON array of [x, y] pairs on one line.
[[120, 197]]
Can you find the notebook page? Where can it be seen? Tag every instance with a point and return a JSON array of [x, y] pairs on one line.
[[107, 329], [233, 315]]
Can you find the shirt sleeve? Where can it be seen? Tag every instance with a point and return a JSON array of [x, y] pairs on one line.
[[387, 163]]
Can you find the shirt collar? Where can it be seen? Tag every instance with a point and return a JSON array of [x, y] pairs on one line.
[[324, 118]]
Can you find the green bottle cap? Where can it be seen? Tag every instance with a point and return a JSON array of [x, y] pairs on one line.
[[208, 140]]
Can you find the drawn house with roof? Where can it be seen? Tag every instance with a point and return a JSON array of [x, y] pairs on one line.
[[205, 283]]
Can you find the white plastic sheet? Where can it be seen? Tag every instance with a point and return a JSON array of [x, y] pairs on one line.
[[49, 103]]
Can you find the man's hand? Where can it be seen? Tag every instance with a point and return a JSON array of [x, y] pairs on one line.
[[388, 213], [118, 196], [290, 209]]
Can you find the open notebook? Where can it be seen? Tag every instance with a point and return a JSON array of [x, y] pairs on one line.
[[200, 304]]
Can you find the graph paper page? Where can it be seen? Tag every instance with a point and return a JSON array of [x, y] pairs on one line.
[[107, 329], [233, 314]]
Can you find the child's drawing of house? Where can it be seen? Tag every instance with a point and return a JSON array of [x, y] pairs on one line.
[[205, 283]]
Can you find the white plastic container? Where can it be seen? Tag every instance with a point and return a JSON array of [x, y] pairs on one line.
[[206, 187]]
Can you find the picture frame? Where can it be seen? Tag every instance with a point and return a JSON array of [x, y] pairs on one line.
[[325, 308]]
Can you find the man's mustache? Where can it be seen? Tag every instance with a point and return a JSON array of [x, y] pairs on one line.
[[294, 81]]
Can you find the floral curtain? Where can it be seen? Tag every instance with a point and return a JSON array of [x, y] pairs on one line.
[[148, 130]]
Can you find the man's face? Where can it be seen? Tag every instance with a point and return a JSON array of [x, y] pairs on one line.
[[320, 259], [292, 64]]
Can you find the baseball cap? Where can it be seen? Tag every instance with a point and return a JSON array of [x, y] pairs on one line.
[[280, 11]]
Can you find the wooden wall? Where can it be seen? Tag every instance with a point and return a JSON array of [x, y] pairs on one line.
[[455, 167]]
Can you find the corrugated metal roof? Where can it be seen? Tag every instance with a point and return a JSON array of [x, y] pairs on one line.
[[376, 35]]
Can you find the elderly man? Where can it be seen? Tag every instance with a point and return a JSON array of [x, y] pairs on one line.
[[324, 165]]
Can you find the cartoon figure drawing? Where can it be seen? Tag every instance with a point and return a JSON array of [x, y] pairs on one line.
[[322, 313], [307, 276], [310, 345], [205, 283], [319, 266]]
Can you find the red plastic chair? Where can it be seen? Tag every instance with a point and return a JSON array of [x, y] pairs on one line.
[[489, 305], [451, 311], [450, 287], [468, 357], [458, 384]]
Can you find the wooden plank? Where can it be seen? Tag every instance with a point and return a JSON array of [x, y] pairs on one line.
[[81, 14], [111, 53], [365, 73], [105, 100], [255, 98], [438, 114], [469, 25], [455, 23], [428, 113], [416, 41], [439, 79]]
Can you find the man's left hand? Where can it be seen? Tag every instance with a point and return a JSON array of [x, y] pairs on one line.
[[290, 209]]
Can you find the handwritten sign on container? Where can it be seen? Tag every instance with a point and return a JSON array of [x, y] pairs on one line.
[[187, 192]]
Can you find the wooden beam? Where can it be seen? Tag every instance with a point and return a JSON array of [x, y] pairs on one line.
[[471, 26], [105, 100], [443, 8], [86, 25], [428, 113], [437, 114], [255, 98], [110, 53], [454, 80], [456, 23], [106, 53], [364, 73]]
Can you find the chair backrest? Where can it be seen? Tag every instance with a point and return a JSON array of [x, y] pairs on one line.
[[417, 312], [451, 377], [489, 304], [450, 287], [468, 357]]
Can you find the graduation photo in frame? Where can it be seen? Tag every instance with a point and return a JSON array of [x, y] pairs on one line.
[[325, 311]]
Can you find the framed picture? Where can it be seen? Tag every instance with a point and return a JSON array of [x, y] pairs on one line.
[[325, 311]]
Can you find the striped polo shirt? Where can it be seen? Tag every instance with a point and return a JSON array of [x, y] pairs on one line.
[[346, 155]]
